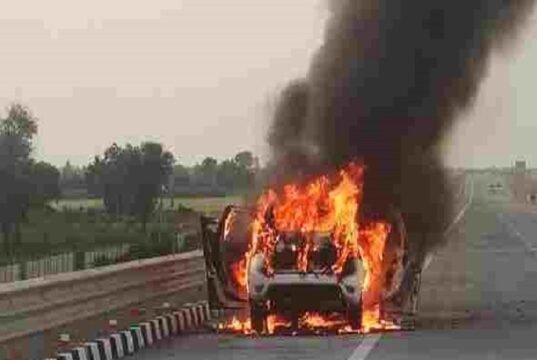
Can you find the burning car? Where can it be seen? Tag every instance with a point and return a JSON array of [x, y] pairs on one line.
[[292, 291], [304, 251]]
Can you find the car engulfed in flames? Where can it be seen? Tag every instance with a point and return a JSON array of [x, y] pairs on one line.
[[303, 258]]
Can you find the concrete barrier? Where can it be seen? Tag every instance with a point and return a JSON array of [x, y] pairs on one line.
[[129, 341], [36, 305]]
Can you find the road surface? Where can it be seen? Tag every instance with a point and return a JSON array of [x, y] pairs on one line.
[[478, 300]]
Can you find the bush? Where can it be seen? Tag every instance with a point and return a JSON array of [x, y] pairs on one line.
[[92, 215], [52, 232], [153, 247]]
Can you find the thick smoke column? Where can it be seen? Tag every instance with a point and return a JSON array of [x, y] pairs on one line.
[[386, 86]]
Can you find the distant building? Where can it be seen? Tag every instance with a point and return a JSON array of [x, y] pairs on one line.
[[520, 166], [520, 181], [524, 183]]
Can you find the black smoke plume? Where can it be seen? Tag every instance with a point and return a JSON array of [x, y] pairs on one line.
[[387, 85]]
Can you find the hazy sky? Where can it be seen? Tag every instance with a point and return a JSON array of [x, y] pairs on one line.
[[200, 75]]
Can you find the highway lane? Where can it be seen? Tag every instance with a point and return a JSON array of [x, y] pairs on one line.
[[479, 296], [478, 301], [207, 346]]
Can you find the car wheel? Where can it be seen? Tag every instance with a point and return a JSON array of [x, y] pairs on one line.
[[258, 317], [354, 316]]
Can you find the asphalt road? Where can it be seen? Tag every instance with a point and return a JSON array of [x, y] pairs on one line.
[[478, 301]]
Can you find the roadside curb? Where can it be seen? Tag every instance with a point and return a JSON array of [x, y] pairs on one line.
[[127, 342]]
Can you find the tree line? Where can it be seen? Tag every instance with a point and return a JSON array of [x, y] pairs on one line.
[[206, 178], [24, 182], [130, 179]]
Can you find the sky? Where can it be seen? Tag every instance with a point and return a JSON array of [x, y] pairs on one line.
[[202, 76]]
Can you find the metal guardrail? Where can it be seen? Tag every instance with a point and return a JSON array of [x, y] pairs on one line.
[[66, 261], [36, 305], [58, 263]]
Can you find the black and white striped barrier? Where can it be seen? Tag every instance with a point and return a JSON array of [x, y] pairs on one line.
[[146, 333], [128, 342], [156, 330], [79, 353], [93, 350], [105, 349], [137, 337], [198, 313]]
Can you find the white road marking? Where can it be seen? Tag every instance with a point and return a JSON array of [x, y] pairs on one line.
[[463, 210], [461, 189], [458, 218], [529, 247], [365, 347]]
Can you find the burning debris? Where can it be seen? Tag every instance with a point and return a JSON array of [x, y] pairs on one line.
[[308, 323]]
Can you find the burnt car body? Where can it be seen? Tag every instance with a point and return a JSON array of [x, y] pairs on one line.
[[289, 291], [285, 289]]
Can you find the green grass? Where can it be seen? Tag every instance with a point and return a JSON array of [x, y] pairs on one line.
[[77, 203], [52, 232], [48, 233], [208, 205]]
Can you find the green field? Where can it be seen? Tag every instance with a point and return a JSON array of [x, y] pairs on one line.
[[47, 233], [208, 205], [68, 229]]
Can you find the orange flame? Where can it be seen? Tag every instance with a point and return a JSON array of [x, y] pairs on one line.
[[319, 206], [237, 325], [238, 271], [320, 321], [274, 321], [372, 241], [228, 223], [325, 204]]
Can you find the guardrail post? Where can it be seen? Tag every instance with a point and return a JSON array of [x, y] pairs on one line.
[[181, 241], [23, 273], [79, 260]]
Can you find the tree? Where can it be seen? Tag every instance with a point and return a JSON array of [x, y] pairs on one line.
[[227, 174], [16, 134], [46, 183], [72, 180], [205, 173], [181, 175], [130, 179], [245, 169], [155, 171], [91, 177], [67, 170], [245, 160]]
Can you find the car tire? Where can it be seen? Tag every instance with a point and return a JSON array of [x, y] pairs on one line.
[[258, 317], [354, 316]]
